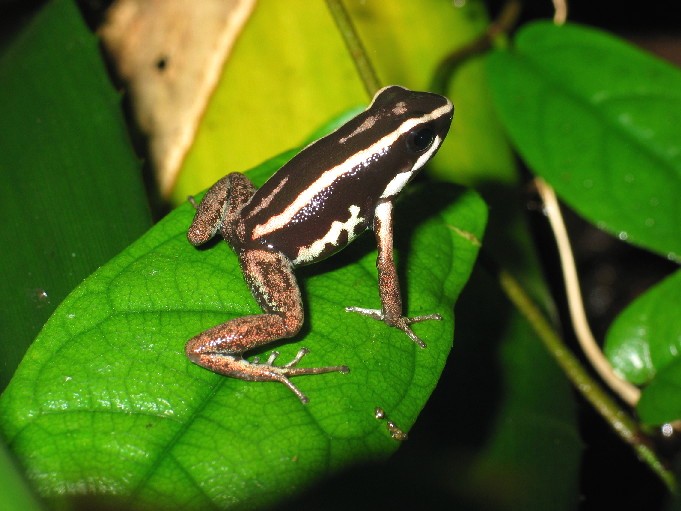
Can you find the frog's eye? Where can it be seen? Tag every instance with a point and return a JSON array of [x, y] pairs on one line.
[[421, 139]]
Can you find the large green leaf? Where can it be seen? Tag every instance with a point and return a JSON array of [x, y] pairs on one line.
[[598, 119], [106, 402], [520, 417], [533, 429], [71, 193], [16, 496]]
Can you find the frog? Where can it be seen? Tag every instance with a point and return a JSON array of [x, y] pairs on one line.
[[311, 208]]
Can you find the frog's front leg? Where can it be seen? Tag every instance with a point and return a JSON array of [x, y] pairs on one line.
[[220, 349], [388, 283], [219, 207]]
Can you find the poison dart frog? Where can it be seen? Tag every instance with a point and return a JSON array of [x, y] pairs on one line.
[[312, 207]]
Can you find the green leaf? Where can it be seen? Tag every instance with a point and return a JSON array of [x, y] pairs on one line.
[[644, 346], [533, 429], [16, 495], [406, 42], [274, 85], [661, 400], [598, 119], [519, 413], [106, 402], [71, 193], [646, 336], [278, 87]]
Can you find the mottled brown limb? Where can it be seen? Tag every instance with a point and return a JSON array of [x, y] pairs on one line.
[[388, 282], [222, 201], [220, 349]]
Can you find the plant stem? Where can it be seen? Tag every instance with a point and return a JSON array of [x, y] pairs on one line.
[[628, 392], [354, 45], [501, 26], [620, 421]]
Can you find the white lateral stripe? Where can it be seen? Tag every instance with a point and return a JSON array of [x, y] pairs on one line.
[[384, 212], [309, 253], [327, 178], [423, 159], [396, 184]]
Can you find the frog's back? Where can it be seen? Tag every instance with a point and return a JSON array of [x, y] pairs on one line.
[[326, 195]]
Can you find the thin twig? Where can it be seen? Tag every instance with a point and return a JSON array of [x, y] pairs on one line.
[[355, 47], [628, 392], [505, 21], [560, 8], [623, 425]]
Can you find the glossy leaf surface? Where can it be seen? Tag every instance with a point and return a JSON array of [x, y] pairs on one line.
[[598, 119], [660, 401], [71, 192], [106, 402], [646, 336], [644, 346]]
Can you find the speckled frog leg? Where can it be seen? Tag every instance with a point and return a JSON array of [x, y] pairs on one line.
[[272, 282]]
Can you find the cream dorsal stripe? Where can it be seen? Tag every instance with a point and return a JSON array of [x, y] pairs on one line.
[[281, 220]]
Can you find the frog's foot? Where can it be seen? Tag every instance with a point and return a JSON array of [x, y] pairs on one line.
[[401, 322], [235, 366], [283, 372]]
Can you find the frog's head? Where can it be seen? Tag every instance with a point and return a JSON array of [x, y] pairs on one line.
[[422, 119], [411, 126]]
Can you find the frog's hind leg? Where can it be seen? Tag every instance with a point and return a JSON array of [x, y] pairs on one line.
[[273, 285]]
